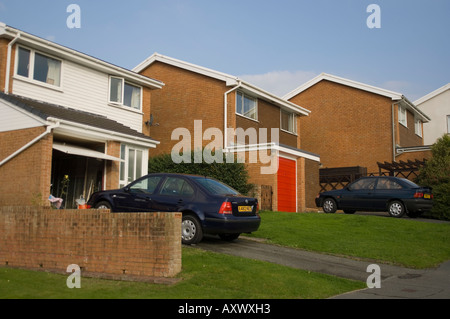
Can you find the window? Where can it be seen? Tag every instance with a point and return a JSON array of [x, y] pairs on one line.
[[133, 166], [402, 116], [418, 127], [246, 106], [176, 186], [124, 93], [364, 183], [38, 67], [386, 183], [288, 122], [147, 185], [448, 124]]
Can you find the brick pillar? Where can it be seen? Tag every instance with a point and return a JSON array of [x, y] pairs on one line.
[[112, 167]]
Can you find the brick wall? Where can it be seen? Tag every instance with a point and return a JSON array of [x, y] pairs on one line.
[[347, 126], [25, 179], [128, 246]]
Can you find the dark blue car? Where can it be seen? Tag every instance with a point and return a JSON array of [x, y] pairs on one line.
[[208, 206], [398, 196]]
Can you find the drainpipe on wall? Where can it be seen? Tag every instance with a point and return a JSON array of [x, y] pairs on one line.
[[37, 139], [225, 112], [393, 132], [8, 62]]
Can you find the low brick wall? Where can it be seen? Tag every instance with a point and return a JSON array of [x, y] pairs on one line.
[[128, 246]]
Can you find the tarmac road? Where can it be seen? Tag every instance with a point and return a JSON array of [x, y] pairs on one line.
[[396, 282]]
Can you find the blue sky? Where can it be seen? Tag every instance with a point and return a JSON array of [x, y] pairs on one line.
[[277, 45]]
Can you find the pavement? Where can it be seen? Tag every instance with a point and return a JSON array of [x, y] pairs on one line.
[[396, 282]]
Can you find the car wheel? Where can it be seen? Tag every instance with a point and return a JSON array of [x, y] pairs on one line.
[[191, 230], [329, 206], [396, 209], [229, 237], [103, 205]]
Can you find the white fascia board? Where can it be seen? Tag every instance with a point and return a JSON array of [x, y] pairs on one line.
[[98, 134], [83, 59], [432, 94], [156, 57], [228, 79], [414, 109], [297, 153], [284, 104], [357, 85]]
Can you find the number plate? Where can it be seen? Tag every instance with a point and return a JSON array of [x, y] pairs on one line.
[[427, 196], [245, 209]]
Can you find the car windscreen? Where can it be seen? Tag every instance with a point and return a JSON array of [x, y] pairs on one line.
[[215, 187]]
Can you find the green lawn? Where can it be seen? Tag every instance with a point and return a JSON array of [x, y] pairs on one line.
[[404, 241], [205, 275]]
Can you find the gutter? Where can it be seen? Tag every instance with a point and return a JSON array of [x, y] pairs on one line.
[[29, 144], [225, 112], [8, 62]]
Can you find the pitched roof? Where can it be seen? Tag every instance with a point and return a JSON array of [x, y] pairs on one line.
[[45, 110], [61, 51], [365, 87], [394, 96], [230, 80], [432, 94]]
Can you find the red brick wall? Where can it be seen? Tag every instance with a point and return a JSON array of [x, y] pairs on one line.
[[135, 246], [25, 179], [347, 126]]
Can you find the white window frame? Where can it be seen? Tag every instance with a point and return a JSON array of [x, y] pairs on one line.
[[293, 118], [418, 127], [244, 96], [403, 116], [448, 124], [137, 172], [121, 102], [31, 64]]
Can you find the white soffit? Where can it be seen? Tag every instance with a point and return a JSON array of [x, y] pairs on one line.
[[81, 151]]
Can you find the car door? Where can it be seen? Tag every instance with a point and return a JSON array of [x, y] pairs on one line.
[[386, 189], [174, 193], [137, 197], [358, 195]]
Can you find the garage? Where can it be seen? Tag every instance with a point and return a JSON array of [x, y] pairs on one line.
[[287, 185]]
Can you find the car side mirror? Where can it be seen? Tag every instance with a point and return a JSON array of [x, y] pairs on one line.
[[126, 189]]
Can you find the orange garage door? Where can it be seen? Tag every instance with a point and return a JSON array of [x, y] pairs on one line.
[[287, 185]]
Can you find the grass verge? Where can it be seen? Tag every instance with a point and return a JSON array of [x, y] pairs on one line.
[[206, 275], [404, 242]]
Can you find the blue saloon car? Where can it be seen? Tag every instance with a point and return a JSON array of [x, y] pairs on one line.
[[208, 206], [398, 196]]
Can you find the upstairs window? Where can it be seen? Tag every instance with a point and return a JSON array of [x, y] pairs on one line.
[[124, 93], [448, 124], [288, 122], [402, 116], [39, 67], [246, 106], [418, 127]]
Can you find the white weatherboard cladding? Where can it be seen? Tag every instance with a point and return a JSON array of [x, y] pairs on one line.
[[12, 119], [82, 89]]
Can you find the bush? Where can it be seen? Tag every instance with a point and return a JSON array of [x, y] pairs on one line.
[[233, 174], [436, 174]]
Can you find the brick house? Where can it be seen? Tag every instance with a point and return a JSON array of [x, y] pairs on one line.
[[193, 93], [65, 113], [355, 124]]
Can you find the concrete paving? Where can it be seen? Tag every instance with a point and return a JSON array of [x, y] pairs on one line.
[[396, 282]]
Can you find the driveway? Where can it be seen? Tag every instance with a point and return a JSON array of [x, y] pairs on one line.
[[396, 282]]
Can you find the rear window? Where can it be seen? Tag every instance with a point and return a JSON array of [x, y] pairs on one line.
[[215, 187]]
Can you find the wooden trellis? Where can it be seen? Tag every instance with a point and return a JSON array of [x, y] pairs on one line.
[[409, 169]]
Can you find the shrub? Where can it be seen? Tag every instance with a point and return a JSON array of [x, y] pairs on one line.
[[233, 174], [436, 174]]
